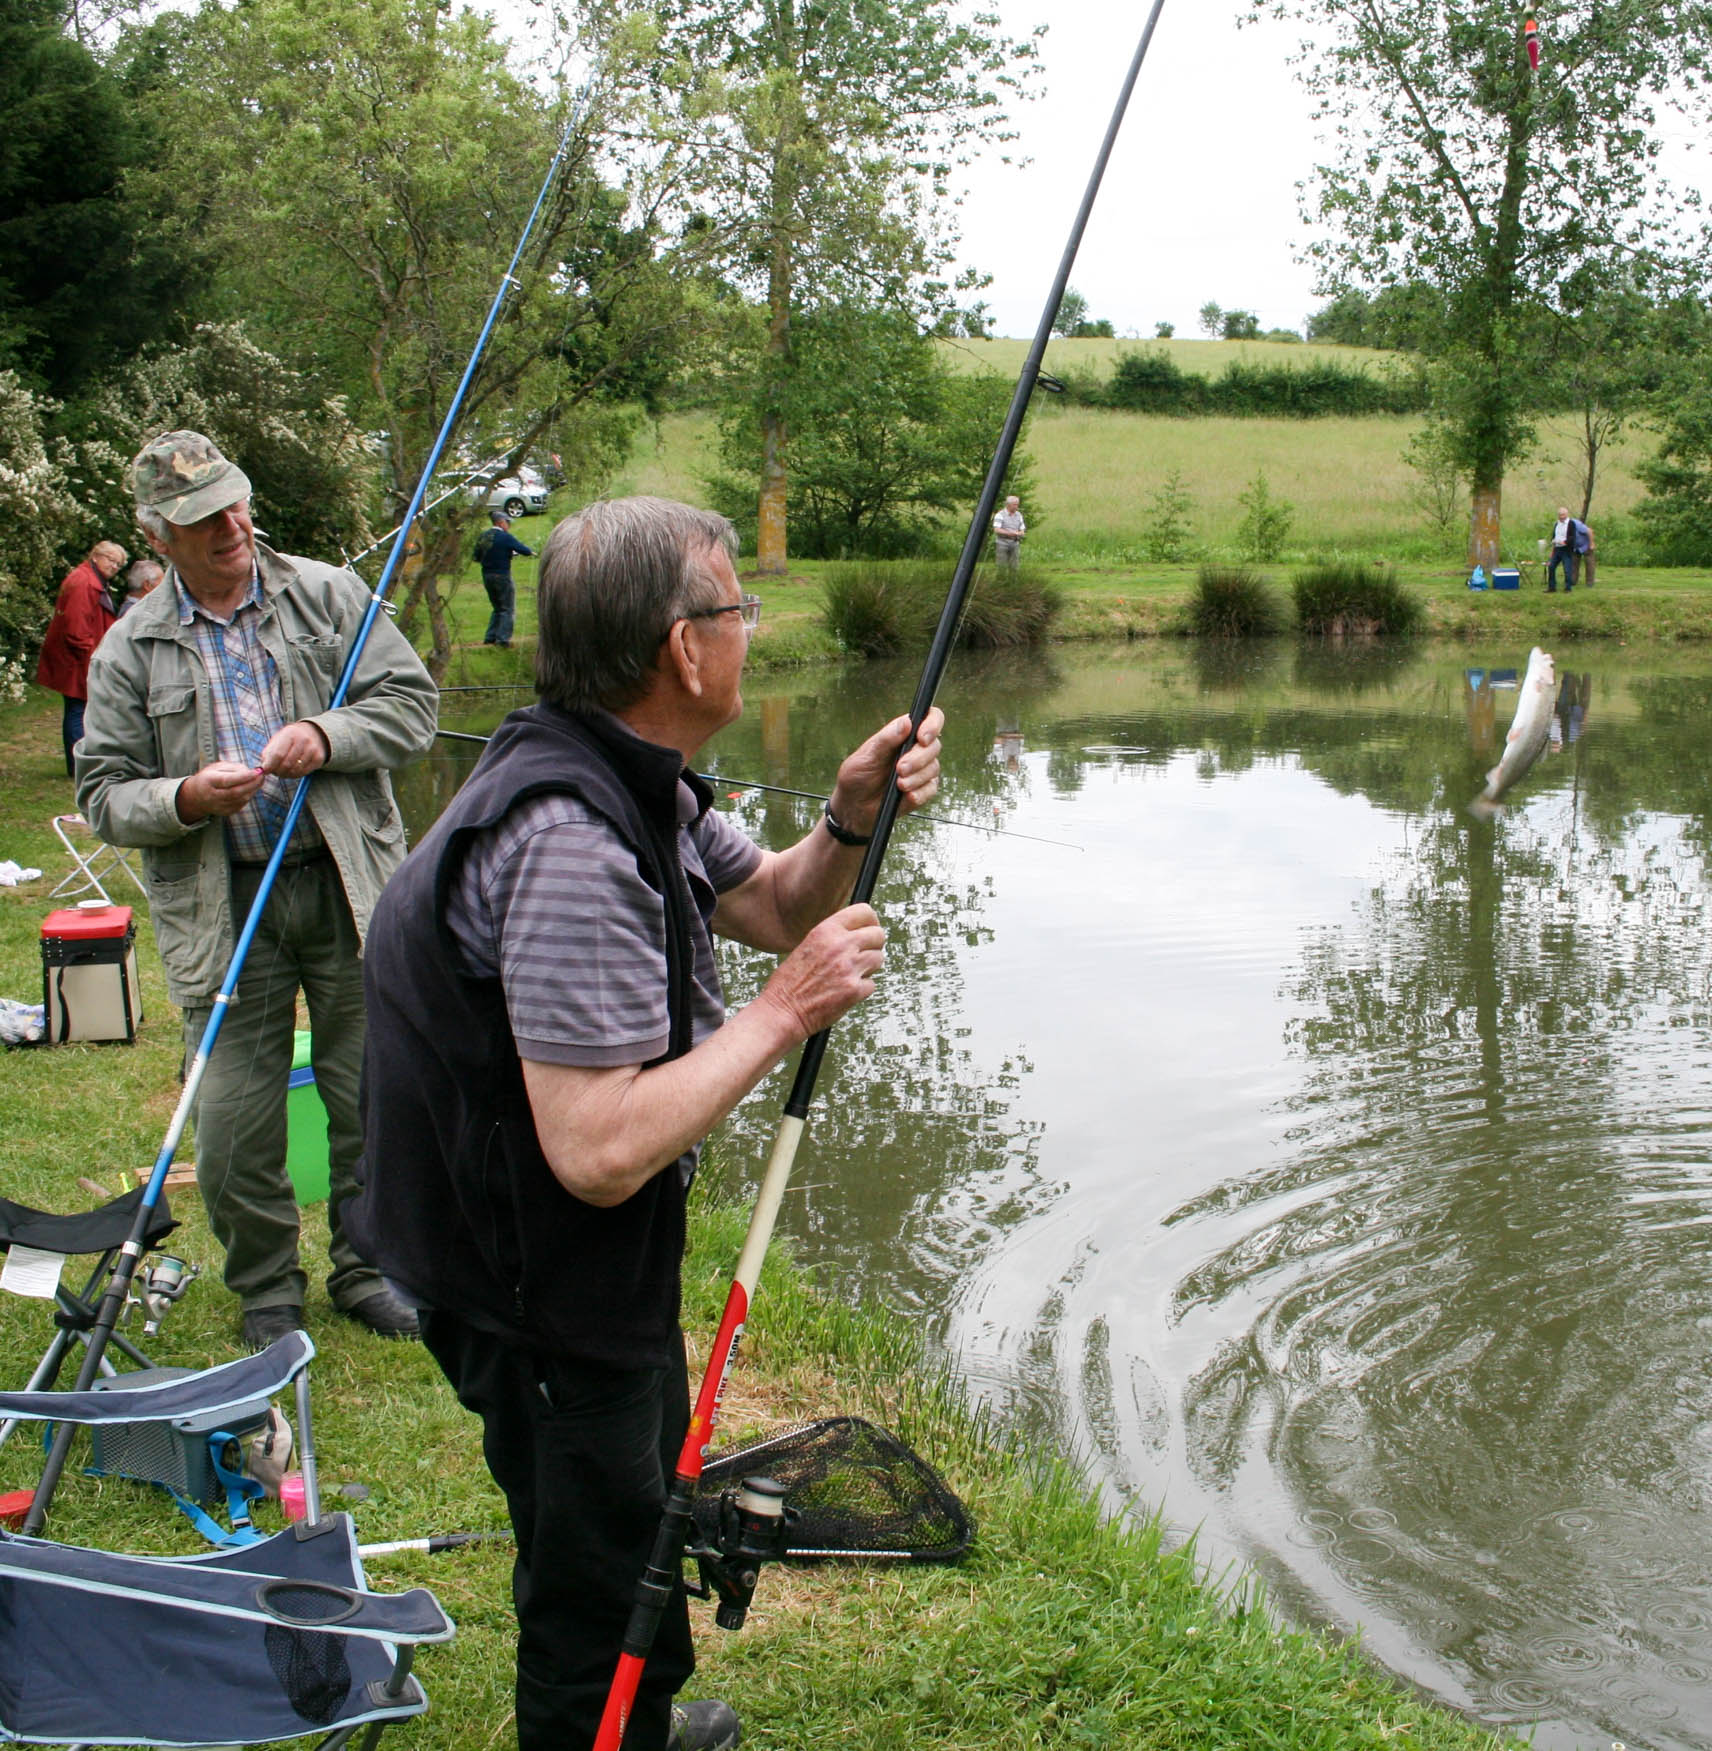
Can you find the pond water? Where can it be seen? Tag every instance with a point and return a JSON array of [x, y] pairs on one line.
[[1322, 1165]]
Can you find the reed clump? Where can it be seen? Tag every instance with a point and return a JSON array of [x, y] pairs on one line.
[[1350, 598], [1234, 601], [879, 608]]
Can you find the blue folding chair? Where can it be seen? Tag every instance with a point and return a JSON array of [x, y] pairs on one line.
[[274, 1640]]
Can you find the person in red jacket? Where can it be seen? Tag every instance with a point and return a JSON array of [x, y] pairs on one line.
[[81, 615]]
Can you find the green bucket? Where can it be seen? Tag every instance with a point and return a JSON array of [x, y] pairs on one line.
[[306, 1128]]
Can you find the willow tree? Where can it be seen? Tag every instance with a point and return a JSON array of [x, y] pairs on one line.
[[822, 140], [1459, 164]]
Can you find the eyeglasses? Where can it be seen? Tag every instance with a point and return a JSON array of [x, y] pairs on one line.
[[747, 605]]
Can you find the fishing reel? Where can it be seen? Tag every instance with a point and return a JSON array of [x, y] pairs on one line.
[[163, 1284], [753, 1528]]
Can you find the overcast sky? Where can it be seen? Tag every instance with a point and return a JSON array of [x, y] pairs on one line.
[[1200, 199]]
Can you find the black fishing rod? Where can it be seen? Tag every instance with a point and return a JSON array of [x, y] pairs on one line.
[[665, 1562], [113, 1301]]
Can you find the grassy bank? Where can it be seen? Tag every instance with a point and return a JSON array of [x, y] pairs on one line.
[[1063, 1629]]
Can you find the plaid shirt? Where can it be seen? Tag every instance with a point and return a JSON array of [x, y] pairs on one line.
[[243, 688]]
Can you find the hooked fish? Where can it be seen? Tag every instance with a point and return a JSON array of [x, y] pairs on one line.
[[1530, 730]]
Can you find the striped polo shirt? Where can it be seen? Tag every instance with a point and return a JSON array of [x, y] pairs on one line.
[[551, 900]]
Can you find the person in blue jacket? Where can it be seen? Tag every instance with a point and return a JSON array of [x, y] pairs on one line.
[[495, 549]]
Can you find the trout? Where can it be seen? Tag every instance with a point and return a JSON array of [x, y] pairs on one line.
[[1530, 730]]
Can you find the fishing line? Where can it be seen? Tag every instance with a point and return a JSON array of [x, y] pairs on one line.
[[132, 1251], [664, 1571], [815, 796]]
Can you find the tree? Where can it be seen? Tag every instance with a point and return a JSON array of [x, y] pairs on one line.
[[1164, 330], [1676, 514], [1461, 167], [822, 139], [1265, 524], [1211, 319], [82, 280], [363, 174], [1239, 325], [1072, 313], [889, 444]]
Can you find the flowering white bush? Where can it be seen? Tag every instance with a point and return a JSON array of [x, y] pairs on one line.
[[36, 505]]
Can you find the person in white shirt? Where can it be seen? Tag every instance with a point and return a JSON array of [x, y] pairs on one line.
[[1008, 531], [1563, 552]]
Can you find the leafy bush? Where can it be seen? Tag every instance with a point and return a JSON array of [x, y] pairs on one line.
[[1149, 382], [1234, 602], [888, 446], [1265, 525], [879, 608], [1350, 598]]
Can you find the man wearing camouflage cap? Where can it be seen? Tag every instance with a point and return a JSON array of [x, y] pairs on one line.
[[206, 704]]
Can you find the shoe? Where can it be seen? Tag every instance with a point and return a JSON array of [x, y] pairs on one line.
[[384, 1314], [703, 1726], [265, 1325]]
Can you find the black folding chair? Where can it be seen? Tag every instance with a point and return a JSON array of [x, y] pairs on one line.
[[95, 1233], [272, 1641]]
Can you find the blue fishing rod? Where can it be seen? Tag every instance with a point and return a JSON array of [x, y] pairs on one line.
[[758, 1532], [118, 1285]]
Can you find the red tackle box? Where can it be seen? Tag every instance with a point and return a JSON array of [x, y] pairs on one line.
[[89, 974]]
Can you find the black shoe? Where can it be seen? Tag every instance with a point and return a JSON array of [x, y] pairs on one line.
[[265, 1325], [703, 1726], [384, 1314]]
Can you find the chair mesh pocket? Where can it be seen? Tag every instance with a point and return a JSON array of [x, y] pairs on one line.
[[312, 1671]]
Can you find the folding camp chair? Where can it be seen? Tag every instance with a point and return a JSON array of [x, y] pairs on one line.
[[272, 1641], [98, 1233], [101, 859]]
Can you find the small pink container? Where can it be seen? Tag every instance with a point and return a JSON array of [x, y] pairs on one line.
[[291, 1495]]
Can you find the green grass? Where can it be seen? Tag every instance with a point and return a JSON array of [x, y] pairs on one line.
[[1096, 470], [1065, 1628], [1203, 358]]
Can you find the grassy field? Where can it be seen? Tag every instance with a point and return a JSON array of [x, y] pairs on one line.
[[1096, 472], [1201, 358], [1065, 1628]]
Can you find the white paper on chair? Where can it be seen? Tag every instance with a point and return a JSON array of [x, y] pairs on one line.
[[30, 1271]]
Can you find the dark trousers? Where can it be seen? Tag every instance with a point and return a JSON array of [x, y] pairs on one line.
[[585, 1455], [71, 729], [1566, 557], [502, 593]]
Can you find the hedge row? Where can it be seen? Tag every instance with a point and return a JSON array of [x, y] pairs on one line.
[[1153, 383]]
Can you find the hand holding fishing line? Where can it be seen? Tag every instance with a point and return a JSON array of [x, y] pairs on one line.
[[220, 788]]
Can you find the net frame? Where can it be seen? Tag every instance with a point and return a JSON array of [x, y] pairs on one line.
[[853, 1489]]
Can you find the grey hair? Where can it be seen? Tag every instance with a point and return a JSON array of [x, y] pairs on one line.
[[613, 579], [140, 569], [151, 522]]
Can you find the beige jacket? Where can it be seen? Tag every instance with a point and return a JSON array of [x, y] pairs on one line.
[[149, 724]]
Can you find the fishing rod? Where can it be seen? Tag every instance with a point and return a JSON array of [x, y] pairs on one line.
[[815, 796], [762, 1527], [113, 1301]]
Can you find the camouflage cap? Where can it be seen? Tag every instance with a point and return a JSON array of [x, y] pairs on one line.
[[185, 478]]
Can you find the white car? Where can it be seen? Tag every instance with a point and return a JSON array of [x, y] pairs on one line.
[[521, 494]]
